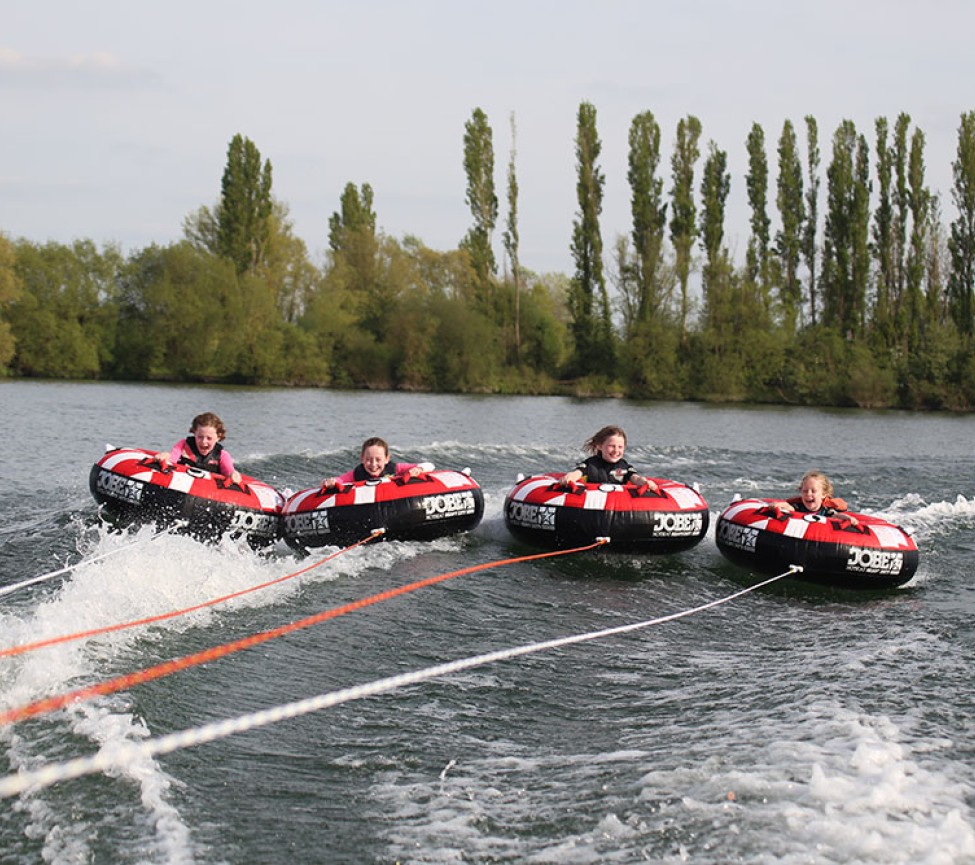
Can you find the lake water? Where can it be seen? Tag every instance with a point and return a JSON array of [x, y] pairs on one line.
[[792, 724]]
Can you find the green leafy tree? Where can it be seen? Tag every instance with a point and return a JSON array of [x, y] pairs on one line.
[[355, 217], [715, 187], [244, 214], [644, 281], [511, 238], [862, 189], [933, 365], [718, 371], [356, 320], [756, 184], [883, 236], [290, 275], [65, 316], [961, 241], [588, 300], [482, 200], [902, 206], [845, 252], [544, 329], [355, 256], [683, 212], [919, 202], [240, 225], [180, 316], [809, 242], [469, 355], [9, 292], [792, 214], [649, 215]]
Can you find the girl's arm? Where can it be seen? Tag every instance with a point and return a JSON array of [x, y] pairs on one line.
[[346, 478], [412, 469], [639, 480], [570, 477], [227, 467], [173, 456]]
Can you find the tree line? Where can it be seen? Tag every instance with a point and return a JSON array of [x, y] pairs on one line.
[[853, 290]]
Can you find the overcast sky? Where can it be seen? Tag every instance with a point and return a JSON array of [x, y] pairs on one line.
[[116, 114]]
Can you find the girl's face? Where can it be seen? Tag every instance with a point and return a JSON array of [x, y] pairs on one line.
[[612, 447], [374, 459], [812, 493], [206, 437]]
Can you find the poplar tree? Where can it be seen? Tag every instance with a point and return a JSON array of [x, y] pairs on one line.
[[846, 254], [356, 259], [901, 204], [756, 183], [838, 280], [510, 236], [355, 253], [919, 203], [961, 240], [588, 302], [861, 234], [718, 368], [792, 214], [649, 213], [683, 227], [883, 233], [809, 251], [715, 186], [481, 198], [243, 216], [355, 216]]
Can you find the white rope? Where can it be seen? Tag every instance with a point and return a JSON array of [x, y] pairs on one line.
[[118, 756], [6, 590]]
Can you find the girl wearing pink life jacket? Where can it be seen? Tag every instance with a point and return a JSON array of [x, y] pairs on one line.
[[202, 448], [374, 463]]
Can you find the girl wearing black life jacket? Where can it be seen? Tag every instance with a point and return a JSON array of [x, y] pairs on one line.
[[606, 465]]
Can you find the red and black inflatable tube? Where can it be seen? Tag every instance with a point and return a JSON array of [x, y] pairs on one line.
[[431, 505], [131, 487], [869, 553], [537, 510]]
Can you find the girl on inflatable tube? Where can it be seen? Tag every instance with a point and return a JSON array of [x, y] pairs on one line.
[[374, 464], [816, 497], [202, 448], [605, 463]]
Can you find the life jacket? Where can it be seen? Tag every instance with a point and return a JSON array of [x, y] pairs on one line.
[[596, 470], [830, 505], [359, 473], [210, 462]]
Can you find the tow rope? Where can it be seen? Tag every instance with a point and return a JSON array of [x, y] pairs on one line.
[[119, 756], [161, 617], [120, 683], [6, 590]]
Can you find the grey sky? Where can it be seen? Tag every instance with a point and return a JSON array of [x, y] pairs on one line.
[[117, 114]]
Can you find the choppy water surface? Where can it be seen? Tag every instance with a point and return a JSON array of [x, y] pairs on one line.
[[791, 725]]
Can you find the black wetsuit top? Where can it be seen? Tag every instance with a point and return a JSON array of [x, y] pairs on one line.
[[596, 470]]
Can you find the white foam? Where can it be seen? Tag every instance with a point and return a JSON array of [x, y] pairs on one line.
[[157, 577]]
